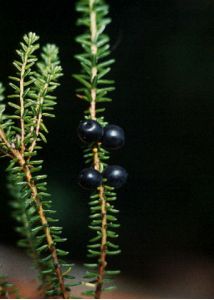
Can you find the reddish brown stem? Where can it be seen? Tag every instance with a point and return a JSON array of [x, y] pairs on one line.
[[34, 193], [97, 162]]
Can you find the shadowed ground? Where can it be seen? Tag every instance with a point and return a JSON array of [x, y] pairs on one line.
[[179, 277]]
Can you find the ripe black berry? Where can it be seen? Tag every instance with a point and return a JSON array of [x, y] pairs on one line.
[[113, 137], [90, 178], [90, 131], [116, 176]]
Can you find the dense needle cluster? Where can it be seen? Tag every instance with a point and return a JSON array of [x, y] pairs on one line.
[[22, 135], [98, 139], [22, 132]]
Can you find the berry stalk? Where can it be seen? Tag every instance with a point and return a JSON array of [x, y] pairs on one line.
[[98, 137]]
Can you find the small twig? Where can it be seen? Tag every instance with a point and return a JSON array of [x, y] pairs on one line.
[[12, 151], [38, 120], [21, 97]]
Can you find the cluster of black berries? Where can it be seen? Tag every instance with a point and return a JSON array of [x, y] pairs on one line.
[[112, 137]]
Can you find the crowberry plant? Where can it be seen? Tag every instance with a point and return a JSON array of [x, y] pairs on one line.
[[23, 133]]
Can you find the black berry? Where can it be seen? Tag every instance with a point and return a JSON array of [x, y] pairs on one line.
[[90, 131], [90, 178], [116, 176], [113, 137]]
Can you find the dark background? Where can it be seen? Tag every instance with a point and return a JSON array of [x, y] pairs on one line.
[[164, 99]]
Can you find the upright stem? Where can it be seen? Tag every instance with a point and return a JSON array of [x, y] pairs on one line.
[[96, 159], [93, 28], [103, 205], [21, 97], [38, 119], [49, 239], [34, 193], [102, 261]]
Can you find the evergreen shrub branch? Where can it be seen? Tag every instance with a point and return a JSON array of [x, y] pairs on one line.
[[95, 66], [22, 134]]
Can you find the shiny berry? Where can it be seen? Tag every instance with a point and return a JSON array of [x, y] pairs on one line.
[[113, 137], [90, 131], [90, 178], [116, 176]]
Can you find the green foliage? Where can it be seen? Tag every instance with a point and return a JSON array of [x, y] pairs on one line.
[[95, 66], [33, 85], [22, 132], [7, 289], [94, 245], [96, 50]]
